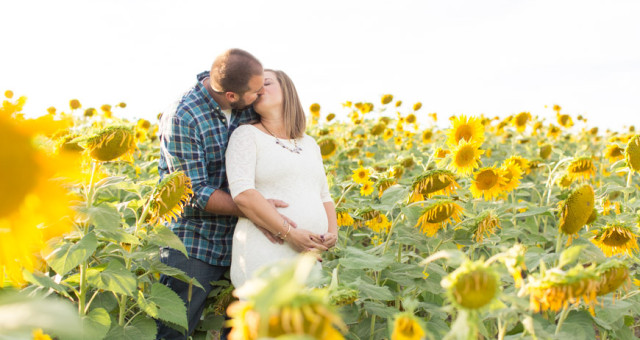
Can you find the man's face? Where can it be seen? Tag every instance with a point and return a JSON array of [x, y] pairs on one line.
[[256, 87]]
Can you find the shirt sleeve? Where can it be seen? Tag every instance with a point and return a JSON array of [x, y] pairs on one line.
[[325, 195], [241, 161], [183, 150]]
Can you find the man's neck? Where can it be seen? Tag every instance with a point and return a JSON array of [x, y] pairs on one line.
[[218, 97]]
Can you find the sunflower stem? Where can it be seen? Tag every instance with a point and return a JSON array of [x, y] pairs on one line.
[[502, 329], [84, 266], [351, 186], [626, 193], [563, 316], [558, 244], [393, 224]]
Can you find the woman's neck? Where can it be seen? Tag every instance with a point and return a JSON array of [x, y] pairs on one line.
[[274, 125]]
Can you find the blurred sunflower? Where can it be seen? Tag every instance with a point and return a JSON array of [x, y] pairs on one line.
[[111, 143], [520, 121], [515, 263], [367, 188], [545, 151], [581, 169], [426, 136], [406, 327], [386, 99], [565, 181], [632, 153], [488, 183], [465, 157], [613, 153], [512, 175], [388, 133], [616, 239], [468, 129], [554, 131], [384, 184], [576, 210], [171, 195], [344, 219], [417, 106], [521, 162], [379, 223], [74, 104], [613, 275], [486, 225], [472, 286], [328, 147], [564, 120], [438, 215], [556, 288]]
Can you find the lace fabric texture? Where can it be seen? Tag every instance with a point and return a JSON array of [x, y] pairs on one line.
[[255, 161]]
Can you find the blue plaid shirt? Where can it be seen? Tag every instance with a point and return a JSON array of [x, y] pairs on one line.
[[193, 138]]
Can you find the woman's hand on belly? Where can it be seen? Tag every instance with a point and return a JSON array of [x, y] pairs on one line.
[[303, 240]]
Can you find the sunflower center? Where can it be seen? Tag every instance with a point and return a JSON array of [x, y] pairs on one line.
[[616, 238], [440, 213], [465, 155], [18, 178], [521, 120], [475, 289], [486, 180], [327, 147], [436, 184], [465, 132]]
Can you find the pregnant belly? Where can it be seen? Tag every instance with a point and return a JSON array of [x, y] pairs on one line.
[[307, 213]]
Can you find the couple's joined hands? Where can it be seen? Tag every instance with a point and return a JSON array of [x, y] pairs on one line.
[[301, 240]]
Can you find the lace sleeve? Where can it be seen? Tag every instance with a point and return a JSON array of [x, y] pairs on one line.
[[241, 161]]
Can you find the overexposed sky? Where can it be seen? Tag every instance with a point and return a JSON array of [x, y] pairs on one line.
[[495, 57]]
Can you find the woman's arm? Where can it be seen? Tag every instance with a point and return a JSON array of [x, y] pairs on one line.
[[256, 208], [331, 237]]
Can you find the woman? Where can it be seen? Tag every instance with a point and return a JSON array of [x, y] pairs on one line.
[[275, 158]]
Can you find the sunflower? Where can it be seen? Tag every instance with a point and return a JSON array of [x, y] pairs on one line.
[[367, 188], [170, 197], [328, 147], [388, 133], [417, 106], [469, 129], [613, 275], [361, 175], [377, 129], [487, 182], [384, 184], [472, 286], [465, 157], [557, 288], [520, 120], [486, 225], [344, 219], [396, 171], [74, 104], [521, 162], [427, 136], [111, 143], [438, 215], [613, 152], [632, 153], [512, 175], [545, 151], [34, 208], [38, 334], [330, 117], [564, 181], [378, 223], [616, 239], [576, 210], [314, 109], [564, 120], [553, 131], [441, 153], [515, 263], [435, 182], [411, 118], [386, 99], [581, 169], [398, 103], [406, 327]]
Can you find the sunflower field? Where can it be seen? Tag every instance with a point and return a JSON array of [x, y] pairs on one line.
[[472, 228]]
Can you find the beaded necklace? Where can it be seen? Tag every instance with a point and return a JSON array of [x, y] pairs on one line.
[[296, 149]]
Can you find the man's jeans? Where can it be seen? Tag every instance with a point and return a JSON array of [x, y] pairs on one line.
[[201, 271]]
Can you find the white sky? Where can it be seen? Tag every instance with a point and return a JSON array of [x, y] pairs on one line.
[[467, 56]]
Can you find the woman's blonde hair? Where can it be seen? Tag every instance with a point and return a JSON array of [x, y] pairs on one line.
[[295, 121]]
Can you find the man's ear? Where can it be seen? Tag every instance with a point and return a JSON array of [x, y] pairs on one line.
[[231, 97]]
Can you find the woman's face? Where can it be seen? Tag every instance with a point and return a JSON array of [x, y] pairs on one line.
[[271, 98]]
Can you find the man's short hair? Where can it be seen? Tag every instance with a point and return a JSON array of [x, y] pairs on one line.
[[232, 70]]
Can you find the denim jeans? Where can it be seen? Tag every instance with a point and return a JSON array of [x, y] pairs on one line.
[[201, 271]]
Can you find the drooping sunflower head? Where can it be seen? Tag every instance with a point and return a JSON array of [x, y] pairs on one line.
[[564, 120], [576, 210], [435, 182], [469, 129], [384, 184], [613, 274], [545, 151], [364, 215], [111, 143], [377, 129], [520, 120], [512, 175], [171, 195], [487, 182], [386, 99], [556, 288], [486, 225], [328, 146], [472, 286], [438, 215], [406, 327], [66, 144], [581, 169], [616, 239], [465, 157], [632, 153], [613, 152]]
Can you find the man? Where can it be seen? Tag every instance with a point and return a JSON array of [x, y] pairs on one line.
[[193, 138]]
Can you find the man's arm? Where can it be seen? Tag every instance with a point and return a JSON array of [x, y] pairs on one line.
[[221, 203]]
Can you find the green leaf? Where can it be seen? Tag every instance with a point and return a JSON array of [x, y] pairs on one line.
[[44, 281], [578, 325], [379, 309], [147, 306], [70, 255], [115, 278], [535, 212], [96, 324], [170, 307], [393, 195], [570, 255], [161, 268], [373, 292], [141, 328], [355, 258], [117, 235], [103, 216], [164, 237]]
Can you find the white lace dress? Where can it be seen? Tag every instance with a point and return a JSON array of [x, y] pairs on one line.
[[255, 161]]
